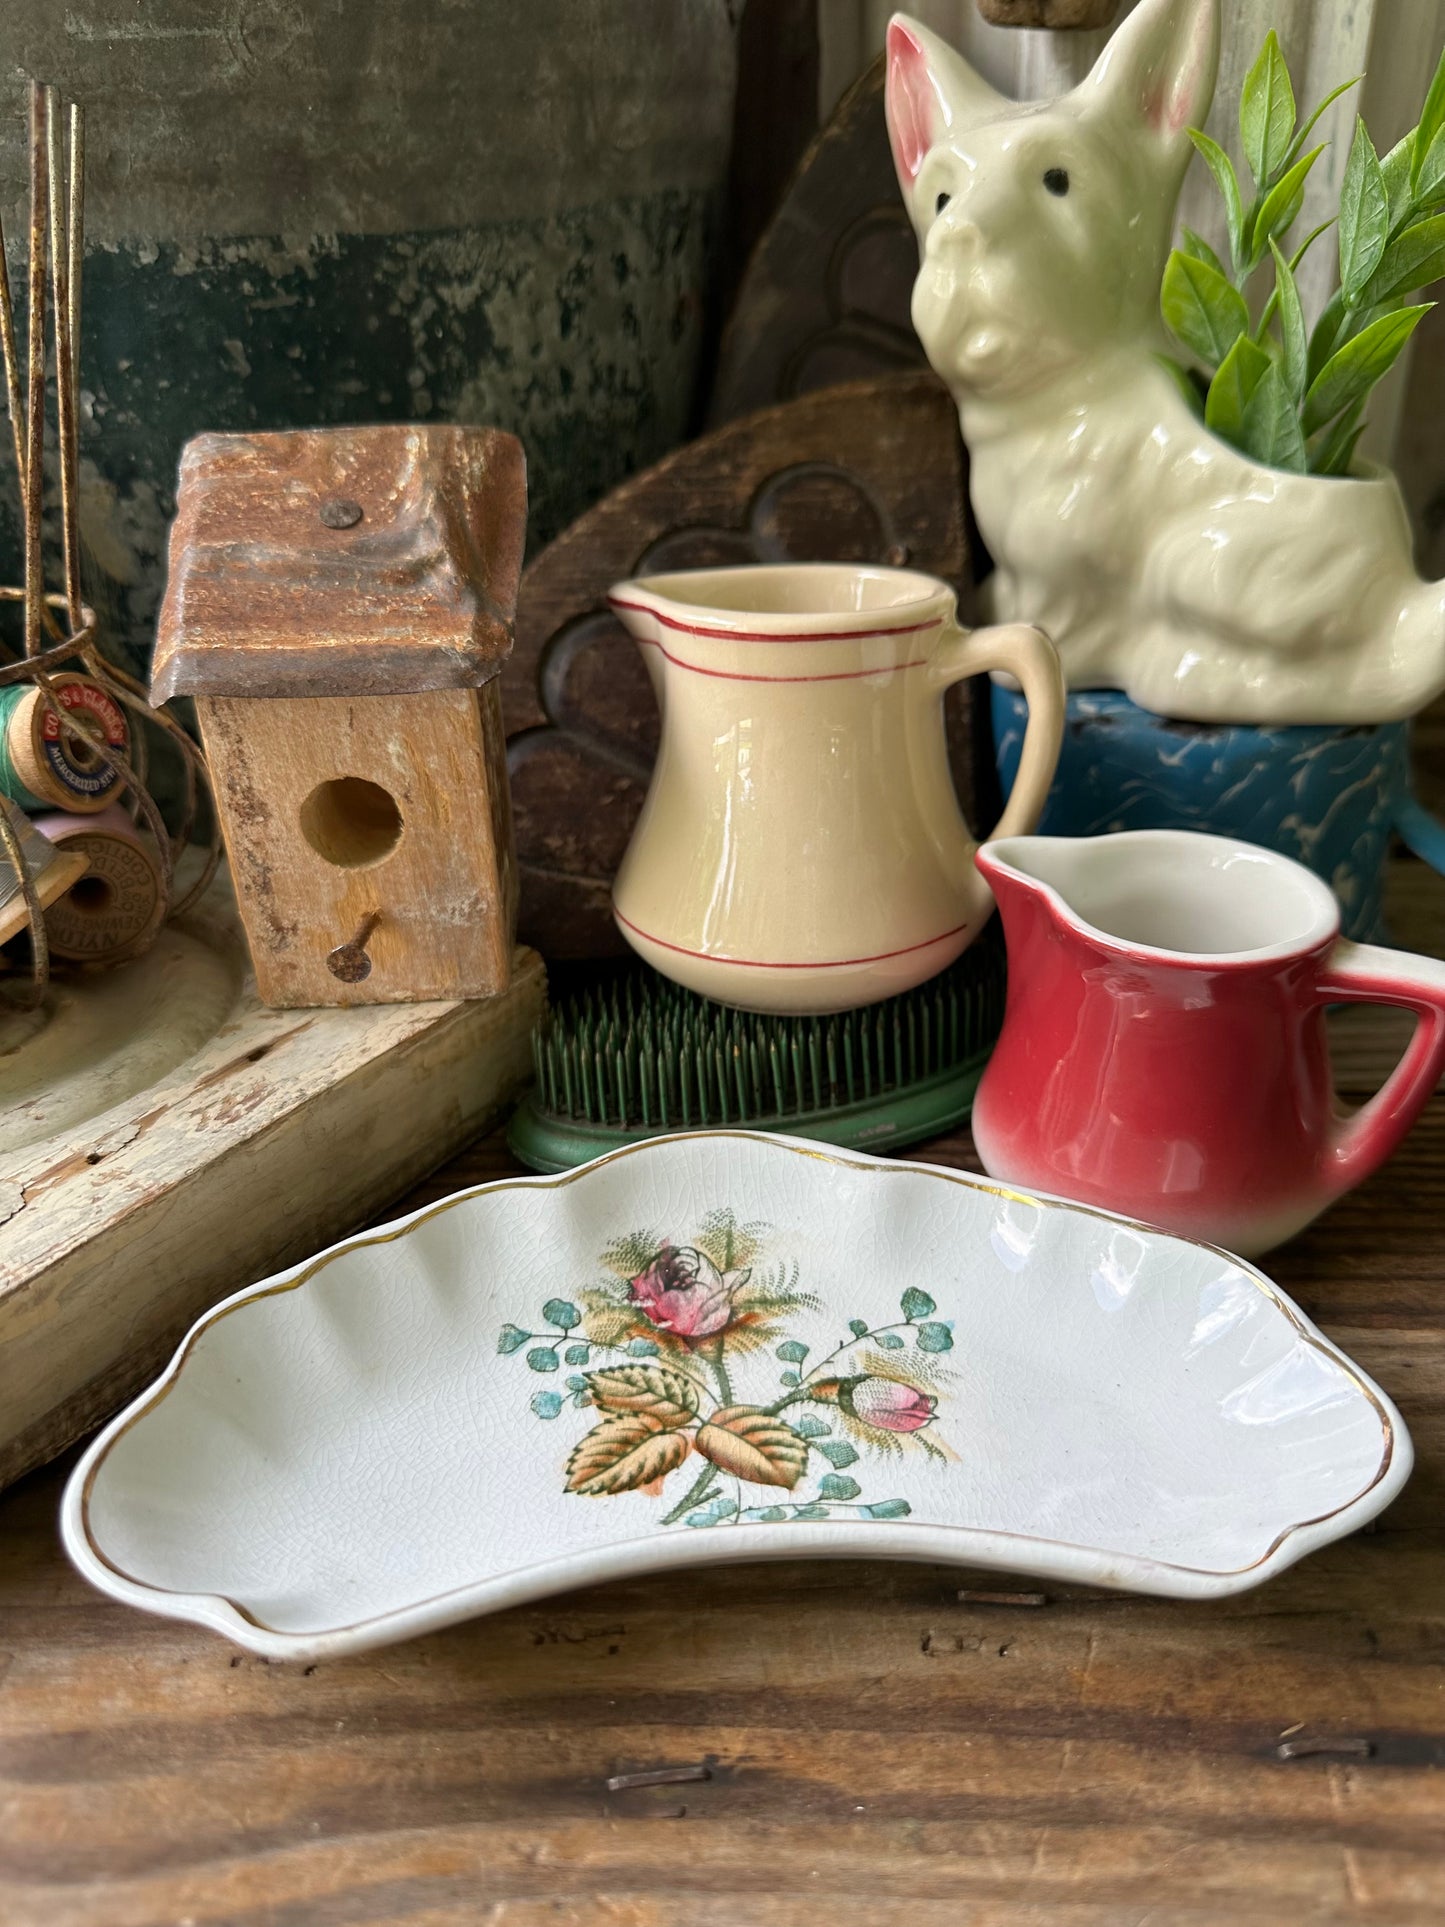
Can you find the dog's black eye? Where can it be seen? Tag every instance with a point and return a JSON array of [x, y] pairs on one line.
[[940, 204], [1057, 181]]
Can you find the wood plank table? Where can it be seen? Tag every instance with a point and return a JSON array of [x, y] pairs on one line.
[[877, 1751]]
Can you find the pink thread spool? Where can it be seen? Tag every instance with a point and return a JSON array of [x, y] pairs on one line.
[[115, 908]]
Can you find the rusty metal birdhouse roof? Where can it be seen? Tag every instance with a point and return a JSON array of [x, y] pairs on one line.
[[342, 562]]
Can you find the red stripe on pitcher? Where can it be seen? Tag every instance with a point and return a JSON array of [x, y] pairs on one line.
[[751, 635], [739, 675], [759, 963]]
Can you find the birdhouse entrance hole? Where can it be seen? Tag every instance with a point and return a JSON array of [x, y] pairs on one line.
[[351, 822]]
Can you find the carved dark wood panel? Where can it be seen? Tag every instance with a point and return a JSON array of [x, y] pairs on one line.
[[870, 471]]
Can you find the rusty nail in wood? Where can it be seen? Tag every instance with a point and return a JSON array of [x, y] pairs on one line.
[[349, 961], [339, 512], [970, 1598], [1352, 1747], [659, 1776]]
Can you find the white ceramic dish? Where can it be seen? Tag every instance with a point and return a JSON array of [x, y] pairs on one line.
[[380, 1441]]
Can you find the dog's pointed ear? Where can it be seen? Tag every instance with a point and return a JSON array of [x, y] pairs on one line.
[[930, 91], [1155, 79]]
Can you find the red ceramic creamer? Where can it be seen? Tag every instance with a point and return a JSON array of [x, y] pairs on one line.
[[1164, 1053]]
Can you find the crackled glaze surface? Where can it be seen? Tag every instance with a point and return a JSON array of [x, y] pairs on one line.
[[884, 1360]]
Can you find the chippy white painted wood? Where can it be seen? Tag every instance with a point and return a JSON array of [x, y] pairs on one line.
[[1325, 41], [198, 1140]]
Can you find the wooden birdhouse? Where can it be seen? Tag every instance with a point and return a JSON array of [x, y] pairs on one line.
[[339, 603]]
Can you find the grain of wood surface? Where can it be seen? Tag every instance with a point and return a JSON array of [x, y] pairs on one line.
[[880, 1754]]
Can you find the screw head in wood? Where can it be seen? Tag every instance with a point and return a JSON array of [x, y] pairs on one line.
[[340, 512]]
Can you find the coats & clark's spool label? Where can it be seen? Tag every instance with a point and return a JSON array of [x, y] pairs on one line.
[[117, 904], [40, 768]]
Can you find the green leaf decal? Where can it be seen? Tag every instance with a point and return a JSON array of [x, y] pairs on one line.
[[1267, 112], [810, 1511], [1202, 309], [809, 1427], [935, 1338], [839, 1454], [917, 1304], [890, 1341], [754, 1445], [858, 1327], [764, 1515], [834, 1486], [1414, 259], [577, 1354], [888, 1509], [512, 1339], [1295, 364], [664, 1395], [561, 1311], [546, 1404], [1364, 215], [1222, 168], [643, 1348], [792, 1352], [1432, 125], [1353, 370], [714, 1514], [543, 1359], [627, 1450]]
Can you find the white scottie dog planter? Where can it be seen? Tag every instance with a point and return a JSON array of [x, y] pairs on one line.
[[1162, 562]]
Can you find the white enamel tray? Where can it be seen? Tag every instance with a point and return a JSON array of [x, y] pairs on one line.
[[724, 1346]]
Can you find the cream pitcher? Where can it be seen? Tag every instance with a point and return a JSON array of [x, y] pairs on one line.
[[801, 848]]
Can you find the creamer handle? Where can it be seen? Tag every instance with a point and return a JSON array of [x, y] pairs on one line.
[[1363, 973], [1027, 653]]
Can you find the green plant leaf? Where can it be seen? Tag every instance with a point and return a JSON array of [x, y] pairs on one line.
[[627, 1450], [1333, 450], [561, 1312], [1201, 308], [792, 1352], [1414, 259], [935, 1338], [836, 1487], [1294, 336], [1222, 168], [1297, 145], [542, 1358], [1431, 185], [1326, 335], [917, 1304], [1432, 123], [1232, 389], [1267, 112], [1395, 172], [546, 1404], [1364, 216], [1250, 407], [839, 1453], [1198, 249], [1352, 371], [664, 1395], [512, 1338], [1184, 382], [887, 1509], [1279, 209]]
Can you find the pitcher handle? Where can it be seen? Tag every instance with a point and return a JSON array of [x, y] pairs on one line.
[[1027, 654], [1364, 973]]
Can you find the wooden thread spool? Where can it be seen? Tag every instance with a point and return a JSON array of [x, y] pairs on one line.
[[51, 872], [43, 768], [115, 907]]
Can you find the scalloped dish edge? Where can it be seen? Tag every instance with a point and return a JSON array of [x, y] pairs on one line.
[[985, 1548]]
